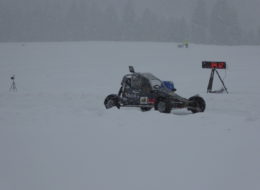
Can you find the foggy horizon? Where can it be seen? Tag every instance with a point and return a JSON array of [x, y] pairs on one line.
[[62, 20]]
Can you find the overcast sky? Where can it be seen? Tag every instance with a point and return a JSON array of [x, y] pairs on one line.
[[248, 10], [22, 19]]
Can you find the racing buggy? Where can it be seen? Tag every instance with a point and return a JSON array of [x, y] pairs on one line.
[[146, 91]]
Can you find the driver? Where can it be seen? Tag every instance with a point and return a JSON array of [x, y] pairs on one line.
[[128, 82]]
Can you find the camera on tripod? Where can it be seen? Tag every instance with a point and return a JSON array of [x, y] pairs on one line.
[[13, 85]]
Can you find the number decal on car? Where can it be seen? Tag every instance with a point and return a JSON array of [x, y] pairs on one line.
[[144, 100]]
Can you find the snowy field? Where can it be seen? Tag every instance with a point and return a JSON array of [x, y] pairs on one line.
[[55, 133]]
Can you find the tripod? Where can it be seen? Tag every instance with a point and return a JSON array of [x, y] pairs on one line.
[[211, 82], [13, 85]]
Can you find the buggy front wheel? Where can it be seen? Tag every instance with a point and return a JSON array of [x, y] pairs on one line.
[[111, 101]]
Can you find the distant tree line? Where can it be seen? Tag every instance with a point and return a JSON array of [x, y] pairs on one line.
[[85, 20]]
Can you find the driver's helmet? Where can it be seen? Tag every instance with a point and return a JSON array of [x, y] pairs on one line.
[[169, 85]]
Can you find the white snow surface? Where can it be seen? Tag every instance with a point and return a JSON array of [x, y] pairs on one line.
[[55, 133]]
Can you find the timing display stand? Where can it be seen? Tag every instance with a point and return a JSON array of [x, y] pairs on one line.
[[214, 66]]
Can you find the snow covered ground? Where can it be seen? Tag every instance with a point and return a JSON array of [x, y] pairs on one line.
[[55, 133]]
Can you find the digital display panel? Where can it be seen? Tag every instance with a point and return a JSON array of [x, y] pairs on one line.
[[213, 65]]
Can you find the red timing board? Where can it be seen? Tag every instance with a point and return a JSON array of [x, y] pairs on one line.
[[213, 65]]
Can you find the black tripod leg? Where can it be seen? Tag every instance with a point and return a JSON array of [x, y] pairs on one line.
[[211, 81], [222, 82]]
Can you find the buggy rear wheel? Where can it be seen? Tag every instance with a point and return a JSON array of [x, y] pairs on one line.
[[144, 109], [164, 106], [197, 104]]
